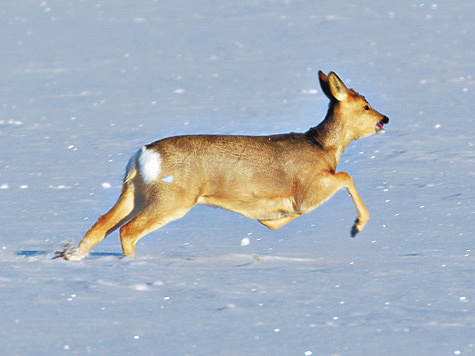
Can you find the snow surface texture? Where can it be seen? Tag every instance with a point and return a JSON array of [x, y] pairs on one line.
[[87, 83]]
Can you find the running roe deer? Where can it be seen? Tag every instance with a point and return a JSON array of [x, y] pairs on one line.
[[273, 179]]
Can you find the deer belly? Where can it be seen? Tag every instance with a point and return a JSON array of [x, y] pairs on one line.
[[254, 208]]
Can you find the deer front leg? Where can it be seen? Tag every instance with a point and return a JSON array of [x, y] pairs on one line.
[[278, 223], [363, 215]]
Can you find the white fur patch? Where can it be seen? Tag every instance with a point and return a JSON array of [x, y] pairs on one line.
[[168, 179], [149, 162]]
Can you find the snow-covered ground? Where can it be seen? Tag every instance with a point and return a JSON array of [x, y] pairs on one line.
[[85, 83]]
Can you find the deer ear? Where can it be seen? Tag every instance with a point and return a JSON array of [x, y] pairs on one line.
[[324, 84], [337, 88]]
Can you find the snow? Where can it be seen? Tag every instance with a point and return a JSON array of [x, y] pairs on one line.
[[87, 83], [245, 241]]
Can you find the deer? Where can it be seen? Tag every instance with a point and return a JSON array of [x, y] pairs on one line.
[[272, 179]]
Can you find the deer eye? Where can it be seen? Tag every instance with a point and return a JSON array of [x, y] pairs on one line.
[[366, 107]]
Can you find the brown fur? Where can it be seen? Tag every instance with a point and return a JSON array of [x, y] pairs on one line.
[[272, 179]]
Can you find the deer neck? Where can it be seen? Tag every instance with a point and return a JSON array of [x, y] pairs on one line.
[[332, 135]]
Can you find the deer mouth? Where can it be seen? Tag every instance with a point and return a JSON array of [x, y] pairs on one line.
[[380, 125]]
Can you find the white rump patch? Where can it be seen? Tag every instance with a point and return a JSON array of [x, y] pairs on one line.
[[149, 162], [168, 179]]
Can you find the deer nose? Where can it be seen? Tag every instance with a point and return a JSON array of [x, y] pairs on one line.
[[385, 119]]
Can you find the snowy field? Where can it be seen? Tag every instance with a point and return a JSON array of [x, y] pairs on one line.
[[86, 83]]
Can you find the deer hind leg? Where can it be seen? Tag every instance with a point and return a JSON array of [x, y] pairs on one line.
[[164, 208], [125, 208]]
